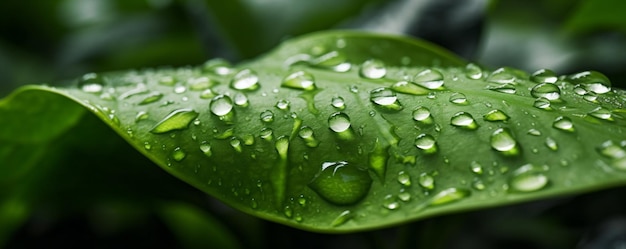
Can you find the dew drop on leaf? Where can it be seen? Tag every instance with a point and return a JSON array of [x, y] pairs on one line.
[[342, 218], [528, 178], [300, 80], [207, 94], [266, 134], [200, 83], [245, 79], [306, 133], [611, 150], [217, 66], [338, 103], [267, 116], [542, 103], [409, 88], [385, 98], [240, 99], [463, 120], [476, 168], [551, 144], [167, 81], [205, 147], [176, 120], [422, 114], [283, 104], [91, 83], [544, 76], [339, 122], [142, 115], [592, 81], [534, 132], [601, 113], [503, 75], [504, 88], [495, 115], [429, 78], [473, 71], [178, 154], [426, 181], [563, 123], [236, 144], [404, 178], [390, 202], [151, 98], [503, 141], [341, 183], [458, 98], [449, 195], [373, 69], [546, 90], [334, 60], [221, 105], [426, 143]]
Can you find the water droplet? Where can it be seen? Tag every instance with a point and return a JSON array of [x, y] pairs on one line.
[[167, 80], [611, 150], [426, 181], [205, 147], [267, 116], [377, 160], [409, 88], [449, 195], [404, 178], [504, 88], [341, 183], [176, 120], [546, 90], [473, 71], [601, 113], [300, 80], [207, 94], [463, 120], [423, 115], [217, 66], [503, 75], [283, 104], [267, 134], [342, 218], [534, 132], [306, 133], [495, 115], [389, 202], [385, 98], [478, 184], [221, 105], [373, 69], [178, 154], [147, 146], [544, 76], [551, 144], [241, 99], [563, 123], [200, 83], [476, 168], [245, 79], [151, 98], [542, 103], [503, 141], [333, 60], [338, 103], [429, 78], [458, 98], [91, 83], [142, 115], [426, 143], [339, 122], [180, 89], [236, 144], [592, 81], [528, 178]]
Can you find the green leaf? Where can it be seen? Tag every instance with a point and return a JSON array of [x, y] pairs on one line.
[[346, 131]]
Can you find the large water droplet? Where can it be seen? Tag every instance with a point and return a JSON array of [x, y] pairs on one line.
[[300, 80], [200, 83], [409, 88], [458, 98], [426, 143], [592, 81], [504, 88], [503, 75], [338, 103], [404, 178], [495, 115], [546, 90], [449, 195], [429, 78], [473, 71], [426, 181], [178, 154], [503, 141], [601, 113], [176, 120], [551, 144], [341, 183], [267, 134], [240, 99], [422, 114], [463, 120], [245, 80], [306, 133], [563, 123], [217, 66], [385, 98], [544, 76], [342, 218], [333, 60], [267, 116], [221, 105], [528, 178], [373, 69], [91, 83], [611, 150], [339, 122]]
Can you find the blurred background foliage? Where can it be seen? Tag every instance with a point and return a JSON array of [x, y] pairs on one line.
[[46, 41]]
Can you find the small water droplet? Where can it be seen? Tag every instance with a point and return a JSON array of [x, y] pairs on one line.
[[180, 89], [473, 71], [333, 60], [267, 116], [151, 98], [449, 195], [241, 99], [167, 80], [551, 144], [306, 133], [504, 88], [200, 83], [463, 120], [429, 78], [373, 69], [528, 178], [283, 104], [426, 181], [542, 103], [503, 141], [611, 150], [236, 144], [422, 114], [592, 81], [544, 76], [147, 146], [221, 105], [389, 202], [458, 98], [342, 218], [205, 147], [207, 94], [495, 115], [534, 132], [142, 115], [91, 83], [478, 184], [601, 113], [176, 120], [476, 168], [339, 122], [245, 79], [503, 75], [409, 88], [546, 90], [404, 178], [426, 143], [178, 154], [385, 98], [217, 66], [563, 123], [338, 103], [341, 183], [267, 134], [300, 80]]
